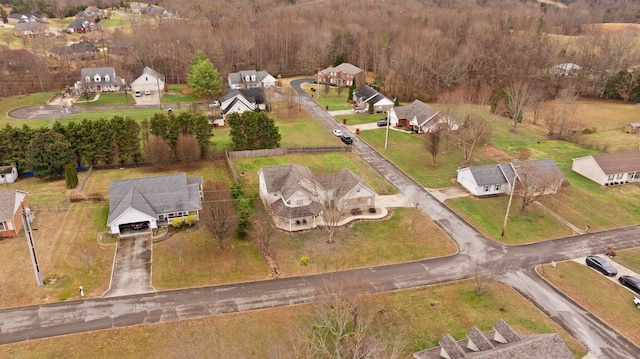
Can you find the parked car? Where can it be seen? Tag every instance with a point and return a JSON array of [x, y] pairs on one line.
[[137, 93], [141, 225], [382, 123], [630, 282], [601, 265], [337, 133], [346, 139], [147, 92], [636, 301]]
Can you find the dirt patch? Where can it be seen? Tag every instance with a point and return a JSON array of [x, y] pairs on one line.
[[186, 91], [490, 152]]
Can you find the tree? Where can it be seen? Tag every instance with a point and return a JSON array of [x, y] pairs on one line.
[[71, 176], [519, 94], [334, 193], [433, 144], [203, 77], [560, 118], [49, 152], [157, 151], [532, 182], [218, 214], [472, 133], [187, 149], [253, 130]]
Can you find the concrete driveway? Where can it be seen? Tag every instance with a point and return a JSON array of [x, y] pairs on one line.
[[132, 266]]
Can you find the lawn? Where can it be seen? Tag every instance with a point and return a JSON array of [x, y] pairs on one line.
[[179, 94], [330, 100], [629, 258], [10, 103], [487, 215], [604, 298], [42, 190], [271, 333], [107, 99], [360, 118]]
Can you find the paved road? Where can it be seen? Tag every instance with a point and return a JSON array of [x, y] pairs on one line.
[[56, 111], [515, 264]]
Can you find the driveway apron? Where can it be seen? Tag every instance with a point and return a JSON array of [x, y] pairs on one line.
[[132, 267]]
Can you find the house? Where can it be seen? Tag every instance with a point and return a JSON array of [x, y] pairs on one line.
[[150, 80], [8, 174], [420, 117], [25, 29], [82, 26], [91, 13], [497, 179], [343, 75], [501, 343], [76, 51], [610, 169], [294, 196], [11, 208], [565, 69], [17, 18], [99, 79], [366, 95], [146, 202], [243, 100], [633, 127], [249, 79]]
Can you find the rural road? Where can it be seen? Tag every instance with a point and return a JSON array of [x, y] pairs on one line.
[[513, 263]]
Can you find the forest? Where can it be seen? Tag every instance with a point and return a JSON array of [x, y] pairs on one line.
[[414, 48]]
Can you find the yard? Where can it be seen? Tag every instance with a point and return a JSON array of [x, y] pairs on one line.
[[271, 333]]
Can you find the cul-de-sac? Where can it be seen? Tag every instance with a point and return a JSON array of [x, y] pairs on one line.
[[320, 179]]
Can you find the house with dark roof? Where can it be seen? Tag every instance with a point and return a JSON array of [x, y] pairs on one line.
[[25, 29], [99, 79], [17, 17], [8, 174], [500, 178], [82, 26], [91, 13], [420, 117], [243, 100], [501, 343], [11, 207], [610, 169], [366, 95], [150, 82], [76, 51], [249, 79], [294, 196], [149, 201], [342, 75]]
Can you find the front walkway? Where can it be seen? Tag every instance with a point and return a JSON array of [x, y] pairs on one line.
[[131, 272]]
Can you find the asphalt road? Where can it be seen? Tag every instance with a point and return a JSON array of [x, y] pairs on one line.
[[514, 265]]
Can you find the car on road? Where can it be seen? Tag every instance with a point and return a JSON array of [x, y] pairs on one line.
[[601, 265], [147, 92], [346, 139], [382, 123], [137, 93], [630, 282], [337, 133]]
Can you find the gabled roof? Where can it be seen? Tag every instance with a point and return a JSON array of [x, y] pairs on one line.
[[505, 172], [620, 162], [27, 15], [344, 67], [6, 169], [286, 179], [255, 96], [29, 26], [154, 195], [75, 48], [418, 109], [80, 24], [342, 182], [149, 71], [239, 77], [102, 71], [8, 204]]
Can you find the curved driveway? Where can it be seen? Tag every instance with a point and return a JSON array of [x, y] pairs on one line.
[[515, 264], [54, 111]]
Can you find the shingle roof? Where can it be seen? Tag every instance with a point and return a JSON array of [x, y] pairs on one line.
[[255, 95], [620, 162], [102, 71], [418, 109], [149, 71], [479, 339], [342, 182], [344, 67], [154, 195], [504, 173], [488, 174], [506, 331], [7, 205], [286, 178], [239, 77], [452, 347], [6, 169]]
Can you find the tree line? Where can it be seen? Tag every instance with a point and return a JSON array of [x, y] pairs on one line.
[[104, 141]]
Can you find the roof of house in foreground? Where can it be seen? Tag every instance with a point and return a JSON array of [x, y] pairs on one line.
[[619, 162]]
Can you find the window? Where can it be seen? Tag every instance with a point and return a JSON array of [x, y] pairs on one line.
[[620, 175], [96, 78], [87, 79], [486, 188], [2, 228], [299, 202], [611, 177], [146, 78], [497, 187], [106, 78]]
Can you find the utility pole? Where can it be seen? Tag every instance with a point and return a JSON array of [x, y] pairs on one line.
[[513, 189], [32, 249], [386, 138]]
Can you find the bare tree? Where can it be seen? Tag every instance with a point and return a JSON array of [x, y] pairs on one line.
[[157, 151], [519, 95], [433, 145], [534, 181], [483, 275], [334, 192], [560, 118], [218, 214], [473, 132], [262, 232], [87, 256], [188, 149]]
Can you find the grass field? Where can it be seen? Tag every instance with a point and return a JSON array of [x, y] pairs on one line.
[[629, 258], [605, 298], [273, 333], [331, 99], [107, 99]]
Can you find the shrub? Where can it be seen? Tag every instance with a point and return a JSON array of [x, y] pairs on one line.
[[356, 211], [190, 220], [177, 223], [304, 261], [588, 131], [71, 176], [372, 210]]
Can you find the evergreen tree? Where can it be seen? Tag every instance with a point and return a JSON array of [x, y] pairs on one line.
[[49, 152], [71, 176], [203, 77], [253, 130]]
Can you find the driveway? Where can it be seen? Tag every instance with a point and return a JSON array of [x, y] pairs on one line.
[[132, 267]]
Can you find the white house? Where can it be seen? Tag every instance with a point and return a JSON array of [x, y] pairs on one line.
[[249, 79], [565, 69], [294, 196], [99, 79], [149, 82], [610, 169], [8, 174], [366, 95], [144, 202], [420, 117], [243, 100], [496, 179]]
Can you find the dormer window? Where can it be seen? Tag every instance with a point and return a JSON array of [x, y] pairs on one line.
[[96, 78], [247, 78], [253, 77], [87, 79], [107, 78]]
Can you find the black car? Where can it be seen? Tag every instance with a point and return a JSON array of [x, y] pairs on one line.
[[630, 282], [346, 139], [601, 265]]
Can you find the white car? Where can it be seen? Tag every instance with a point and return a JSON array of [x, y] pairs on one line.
[[147, 92], [337, 133]]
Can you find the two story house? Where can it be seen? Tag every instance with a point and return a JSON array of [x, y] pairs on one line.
[[249, 79], [99, 79], [342, 75]]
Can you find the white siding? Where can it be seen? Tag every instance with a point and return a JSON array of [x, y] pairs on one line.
[[466, 179], [588, 167]]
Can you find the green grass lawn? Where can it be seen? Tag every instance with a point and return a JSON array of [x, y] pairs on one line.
[[330, 99], [487, 215], [629, 258], [179, 94], [605, 298], [10, 103], [107, 99], [360, 118], [269, 333]]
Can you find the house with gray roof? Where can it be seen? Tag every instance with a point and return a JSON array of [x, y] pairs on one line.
[[501, 343], [420, 117], [343, 75], [26, 17], [76, 51], [99, 79], [149, 82], [500, 178], [294, 195], [8, 174], [610, 169], [29, 29], [243, 100], [249, 79], [11, 203], [366, 95], [150, 201]]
